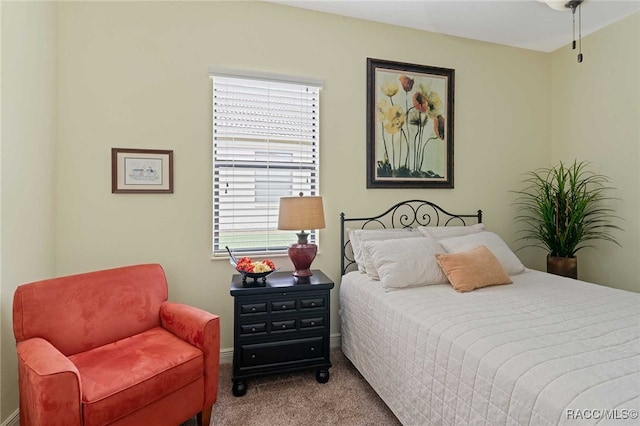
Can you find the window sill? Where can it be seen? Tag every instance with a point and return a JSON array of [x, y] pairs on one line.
[[258, 256], [255, 255]]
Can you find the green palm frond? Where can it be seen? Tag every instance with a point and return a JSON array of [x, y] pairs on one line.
[[564, 208]]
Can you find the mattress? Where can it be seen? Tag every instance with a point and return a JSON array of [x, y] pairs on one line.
[[544, 350]]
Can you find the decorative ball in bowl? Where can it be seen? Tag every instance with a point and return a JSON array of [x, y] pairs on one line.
[[248, 272], [252, 269]]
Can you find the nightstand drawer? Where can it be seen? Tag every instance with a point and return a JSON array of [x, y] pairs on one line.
[[311, 322], [253, 328], [283, 325], [253, 308], [282, 352], [283, 305], [312, 303]]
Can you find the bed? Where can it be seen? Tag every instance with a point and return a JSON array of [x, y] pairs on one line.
[[543, 350]]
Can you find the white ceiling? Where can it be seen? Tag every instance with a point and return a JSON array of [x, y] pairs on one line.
[[529, 24]]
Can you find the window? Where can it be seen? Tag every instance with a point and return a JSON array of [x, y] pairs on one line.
[[265, 146]]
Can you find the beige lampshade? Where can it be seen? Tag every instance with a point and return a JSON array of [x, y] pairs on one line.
[[300, 213]]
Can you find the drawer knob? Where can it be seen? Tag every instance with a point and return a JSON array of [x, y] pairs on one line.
[[253, 356], [253, 309], [313, 323], [253, 329], [312, 349], [284, 306], [284, 325], [313, 304]]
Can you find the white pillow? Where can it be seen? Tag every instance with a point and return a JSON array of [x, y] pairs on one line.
[[357, 236], [440, 232], [407, 262], [493, 242]]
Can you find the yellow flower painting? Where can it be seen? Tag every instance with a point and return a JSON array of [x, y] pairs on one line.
[[409, 125]]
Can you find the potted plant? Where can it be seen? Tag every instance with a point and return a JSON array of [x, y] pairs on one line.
[[563, 209]]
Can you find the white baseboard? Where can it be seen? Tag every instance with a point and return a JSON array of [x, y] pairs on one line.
[[335, 341], [13, 419], [226, 355]]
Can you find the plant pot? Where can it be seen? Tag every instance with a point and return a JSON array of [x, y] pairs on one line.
[[563, 266]]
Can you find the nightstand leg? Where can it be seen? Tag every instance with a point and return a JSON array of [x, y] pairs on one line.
[[239, 387], [322, 375]]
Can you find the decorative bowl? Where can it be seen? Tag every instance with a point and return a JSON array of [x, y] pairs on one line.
[[255, 275]]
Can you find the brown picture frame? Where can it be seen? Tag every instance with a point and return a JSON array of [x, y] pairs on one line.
[[141, 171], [410, 123]]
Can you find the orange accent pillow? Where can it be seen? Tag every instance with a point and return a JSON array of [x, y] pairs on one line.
[[472, 269]]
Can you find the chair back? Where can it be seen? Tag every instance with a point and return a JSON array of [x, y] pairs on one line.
[[80, 312]]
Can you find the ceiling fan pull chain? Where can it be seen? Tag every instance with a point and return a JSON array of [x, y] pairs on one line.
[[579, 33], [573, 16]]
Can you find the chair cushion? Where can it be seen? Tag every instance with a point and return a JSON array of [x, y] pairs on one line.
[[120, 377]]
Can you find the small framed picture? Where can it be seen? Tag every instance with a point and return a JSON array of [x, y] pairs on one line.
[[142, 171]]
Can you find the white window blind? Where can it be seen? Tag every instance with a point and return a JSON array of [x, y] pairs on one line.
[[265, 146]]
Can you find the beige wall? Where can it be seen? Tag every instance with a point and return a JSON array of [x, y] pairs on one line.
[[135, 75], [596, 117], [28, 160]]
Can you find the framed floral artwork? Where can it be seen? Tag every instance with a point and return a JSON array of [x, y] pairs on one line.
[[142, 171], [409, 125]]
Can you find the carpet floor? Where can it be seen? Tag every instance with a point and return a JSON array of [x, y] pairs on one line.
[[298, 399]]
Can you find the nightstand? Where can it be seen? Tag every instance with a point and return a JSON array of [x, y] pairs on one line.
[[281, 325]]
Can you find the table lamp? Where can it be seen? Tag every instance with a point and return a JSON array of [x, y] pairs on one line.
[[300, 213]]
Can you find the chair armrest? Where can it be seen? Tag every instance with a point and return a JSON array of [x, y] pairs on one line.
[[49, 385], [202, 330]]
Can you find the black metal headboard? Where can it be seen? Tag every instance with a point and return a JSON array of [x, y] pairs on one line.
[[406, 214]]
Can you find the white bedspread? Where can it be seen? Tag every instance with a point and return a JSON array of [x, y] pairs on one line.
[[543, 350]]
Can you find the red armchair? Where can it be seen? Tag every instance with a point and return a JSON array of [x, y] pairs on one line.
[[107, 347]]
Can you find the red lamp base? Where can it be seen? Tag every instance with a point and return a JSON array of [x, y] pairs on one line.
[[302, 256]]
